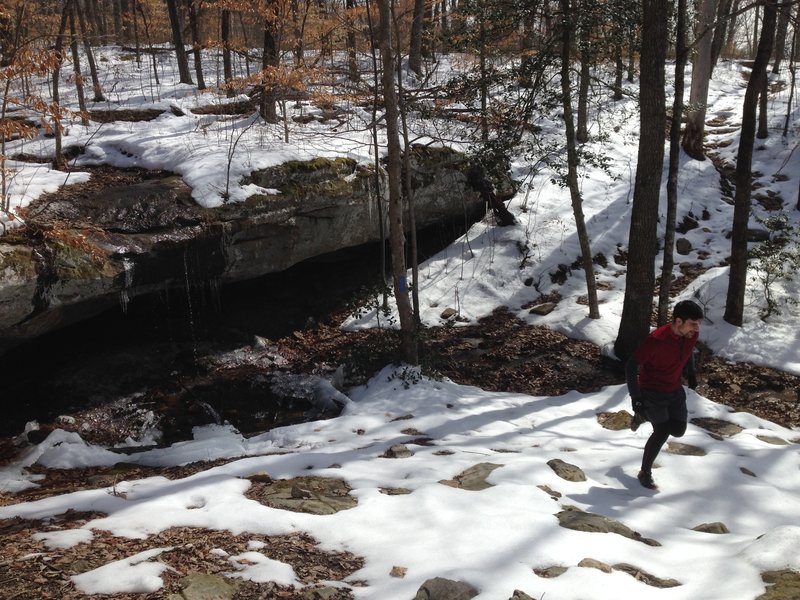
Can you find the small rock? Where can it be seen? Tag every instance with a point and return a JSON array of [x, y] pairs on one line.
[[591, 563], [474, 478], [578, 520], [550, 492], [550, 572], [771, 439], [684, 449], [440, 588], [747, 471], [715, 527], [448, 313], [566, 470], [718, 426], [398, 571], [398, 451], [646, 577], [543, 309], [615, 421], [683, 246]]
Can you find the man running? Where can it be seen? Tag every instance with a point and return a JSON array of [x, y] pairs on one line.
[[653, 374]]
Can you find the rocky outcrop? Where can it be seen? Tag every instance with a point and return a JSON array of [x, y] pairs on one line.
[[98, 248]]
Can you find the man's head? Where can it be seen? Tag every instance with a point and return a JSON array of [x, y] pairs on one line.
[[686, 318]]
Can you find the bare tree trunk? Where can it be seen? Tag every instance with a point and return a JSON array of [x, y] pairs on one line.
[[269, 60], [415, 45], [784, 16], [701, 74], [352, 57], [723, 14], [87, 48], [225, 34], [153, 60], [730, 35], [763, 126], [76, 64], [298, 27], [572, 162], [582, 134], [674, 165], [177, 40], [643, 243], [737, 282], [58, 156], [408, 342], [197, 43]]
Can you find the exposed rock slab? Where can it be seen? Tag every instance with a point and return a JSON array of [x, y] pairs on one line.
[[566, 470], [102, 246], [314, 495], [473, 478], [578, 520]]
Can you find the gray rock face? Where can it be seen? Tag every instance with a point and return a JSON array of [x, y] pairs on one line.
[[113, 244]]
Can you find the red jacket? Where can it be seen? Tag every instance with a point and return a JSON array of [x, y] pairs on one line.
[[660, 359]]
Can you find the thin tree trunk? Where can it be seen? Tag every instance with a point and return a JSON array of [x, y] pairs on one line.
[[352, 57], [197, 44], [374, 129], [582, 134], [76, 64], [153, 60], [723, 14], [225, 34], [58, 156], [763, 125], [643, 243], [269, 60], [784, 16], [701, 74], [408, 343], [415, 44], [572, 163], [674, 166], [87, 48], [737, 282], [177, 39]]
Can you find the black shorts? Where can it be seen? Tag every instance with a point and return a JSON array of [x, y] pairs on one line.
[[660, 407]]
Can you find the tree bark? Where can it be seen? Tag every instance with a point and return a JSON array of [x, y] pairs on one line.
[[674, 165], [415, 45], [225, 34], [58, 156], [701, 75], [408, 343], [572, 163], [269, 61], [784, 16], [76, 64], [87, 48], [737, 281], [177, 40], [723, 14], [643, 244], [197, 43]]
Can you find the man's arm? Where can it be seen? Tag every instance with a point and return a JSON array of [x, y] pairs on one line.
[[632, 379], [690, 370]]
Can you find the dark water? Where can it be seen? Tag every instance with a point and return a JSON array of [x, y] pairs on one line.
[[158, 337]]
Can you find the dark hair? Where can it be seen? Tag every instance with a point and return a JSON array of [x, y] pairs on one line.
[[687, 310]]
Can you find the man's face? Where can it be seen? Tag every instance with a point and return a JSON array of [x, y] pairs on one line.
[[688, 328]]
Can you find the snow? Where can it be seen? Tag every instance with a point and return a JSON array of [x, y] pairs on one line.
[[492, 539]]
